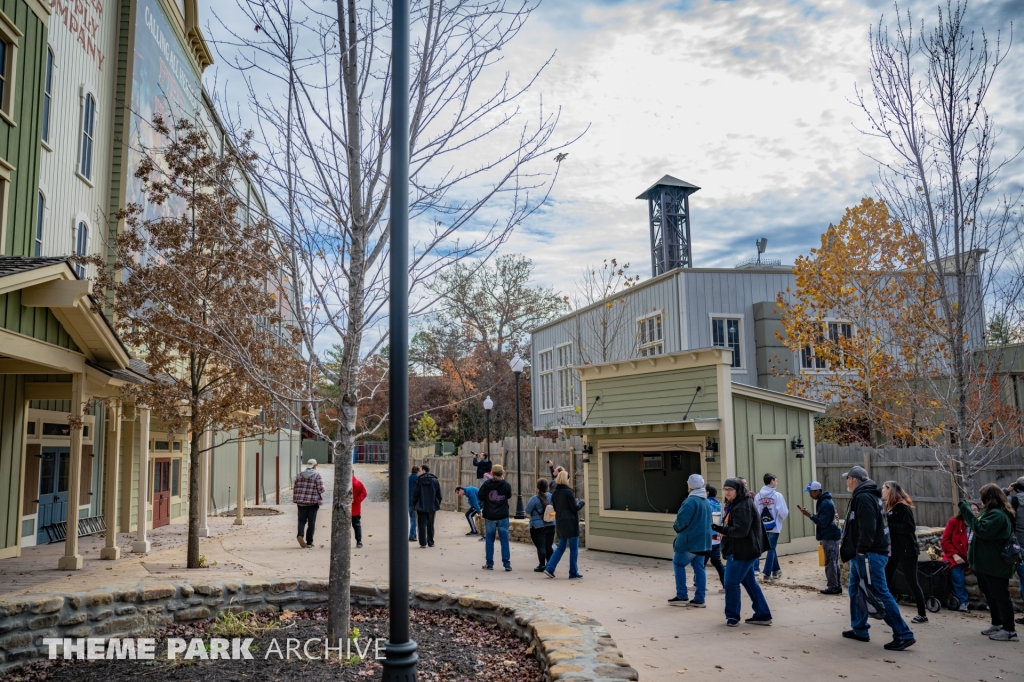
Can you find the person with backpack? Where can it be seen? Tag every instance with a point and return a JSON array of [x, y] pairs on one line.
[[826, 531], [426, 499], [992, 530], [495, 494], [773, 510], [865, 545], [472, 495], [542, 524], [308, 495], [955, 542], [567, 525], [358, 495], [692, 544], [904, 549], [743, 538]]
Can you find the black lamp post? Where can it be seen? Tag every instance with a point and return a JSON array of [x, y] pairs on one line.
[[517, 365], [488, 405], [400, 650]]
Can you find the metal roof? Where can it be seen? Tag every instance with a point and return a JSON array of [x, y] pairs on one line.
[[671, 182], [12, 265]]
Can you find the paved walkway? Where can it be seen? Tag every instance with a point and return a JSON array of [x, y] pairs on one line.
[[627, 594]]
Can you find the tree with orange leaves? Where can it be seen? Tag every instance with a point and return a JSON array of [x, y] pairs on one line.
[[859, 320]]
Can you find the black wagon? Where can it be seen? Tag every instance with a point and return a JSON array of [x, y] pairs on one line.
[[933, 577]]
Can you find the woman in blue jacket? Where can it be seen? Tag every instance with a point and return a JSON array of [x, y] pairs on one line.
[[541, 532], [692, 543]]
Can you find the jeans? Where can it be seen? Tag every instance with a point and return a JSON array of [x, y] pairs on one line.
[[680, 560], [997, 592], [501, 528], [543, 539], [412, 523], [831, 548], [470, 513], [771, 562], [956, 578], [307, 514], [908, 567], [738, 573], [715, 557], [873, 565], [425, 520], [574, 552], [358, 527]]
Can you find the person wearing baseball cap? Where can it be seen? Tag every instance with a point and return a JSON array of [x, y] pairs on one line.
[[865, 545], [826, 532]]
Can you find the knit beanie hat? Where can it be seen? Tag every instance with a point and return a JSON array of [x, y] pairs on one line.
[[695, 481]]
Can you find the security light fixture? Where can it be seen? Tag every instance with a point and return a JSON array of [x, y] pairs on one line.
[[762, 245], [798, 447], [710, 449]]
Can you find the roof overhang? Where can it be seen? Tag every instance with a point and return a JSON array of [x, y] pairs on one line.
[[687, 359], [757, 393], [683, 425]]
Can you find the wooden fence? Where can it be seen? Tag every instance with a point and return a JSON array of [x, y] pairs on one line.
[[534, 453], [916, 469]]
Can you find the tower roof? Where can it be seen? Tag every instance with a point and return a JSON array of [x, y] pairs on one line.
[[671, 182]]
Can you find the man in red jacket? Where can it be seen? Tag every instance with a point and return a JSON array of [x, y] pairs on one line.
[[954, 552], [358, 495]]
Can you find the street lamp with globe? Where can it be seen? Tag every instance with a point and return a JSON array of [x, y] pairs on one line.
[[517, 364], [488, 405]]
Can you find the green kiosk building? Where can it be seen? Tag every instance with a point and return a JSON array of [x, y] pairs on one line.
[[648, 423]]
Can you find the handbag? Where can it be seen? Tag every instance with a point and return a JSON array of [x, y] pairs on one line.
[[1012, 553]]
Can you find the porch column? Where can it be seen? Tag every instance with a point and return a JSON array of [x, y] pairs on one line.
[[127, 467], [141, 545], [204, 484], [110, 470], [72, 560], [240, 511]]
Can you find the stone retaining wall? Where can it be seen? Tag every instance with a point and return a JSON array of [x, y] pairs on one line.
[[568, 646], [519, 530]]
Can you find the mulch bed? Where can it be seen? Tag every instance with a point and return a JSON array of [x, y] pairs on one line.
[[253, 511], [451, 649]]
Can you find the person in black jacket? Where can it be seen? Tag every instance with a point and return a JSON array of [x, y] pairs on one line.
[[826, 531], [743, 540], [483, 466], [899, 515], [567, 526], [494, 496], [426, 500], [865, 545]]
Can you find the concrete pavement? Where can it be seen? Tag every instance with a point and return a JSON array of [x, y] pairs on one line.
[[627, 594]]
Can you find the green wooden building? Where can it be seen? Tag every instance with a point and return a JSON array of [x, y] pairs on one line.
[[648, 423]]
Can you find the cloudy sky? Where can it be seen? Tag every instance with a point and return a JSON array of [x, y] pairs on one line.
[[751, 100]]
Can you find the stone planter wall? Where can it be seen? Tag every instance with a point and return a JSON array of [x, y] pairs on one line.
[[519, 530], [568, 646]]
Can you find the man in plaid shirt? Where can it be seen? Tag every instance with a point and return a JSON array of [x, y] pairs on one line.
[[308, 495]]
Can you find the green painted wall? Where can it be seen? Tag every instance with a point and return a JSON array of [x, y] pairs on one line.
[[655, 397], [39, 323], [19, 144], [752, 418], [12, 419]]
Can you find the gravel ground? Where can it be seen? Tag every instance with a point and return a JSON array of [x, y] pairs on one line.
[[450, 649]]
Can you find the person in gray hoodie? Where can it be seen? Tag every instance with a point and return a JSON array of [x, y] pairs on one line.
[[692, 543]]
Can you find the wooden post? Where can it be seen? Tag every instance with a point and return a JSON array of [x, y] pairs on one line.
[[536, 464], [141, 544], [572, 468], [955, 489], [72, 560], [240, 508], [277, 480], [458, 479], [113, 458], [867, 461], [257, 479]]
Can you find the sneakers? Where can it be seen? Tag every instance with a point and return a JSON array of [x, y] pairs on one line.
[[753, 621], [991, 630], [776, 575], [575, 577], [920, 618], [963, 609], [302, 541], [850, 634], [358, 545], [732, 623], [1004, 636], [831, 590], [899, 644], [487, 568], [549, 573], [539, 569], [697, 604], [676, 601], [471, 534], [508, 568]]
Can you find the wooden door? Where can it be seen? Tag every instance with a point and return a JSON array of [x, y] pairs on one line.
[[161, 492], [53, 489]]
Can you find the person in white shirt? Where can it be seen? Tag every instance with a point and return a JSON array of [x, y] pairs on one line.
[[772, 507]]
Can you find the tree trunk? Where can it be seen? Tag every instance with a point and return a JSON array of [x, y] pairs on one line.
[[194, 493]]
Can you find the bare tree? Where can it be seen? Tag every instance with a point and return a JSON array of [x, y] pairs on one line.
[[927, 100], [602, 328], [319, 86]]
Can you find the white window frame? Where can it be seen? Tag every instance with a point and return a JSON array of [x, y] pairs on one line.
[[10, 35], [647, 346], [809, 349], [37, 241], [742, 367], [46, 129], [81, 219], [566, 386], [546, 380], [86, 94]]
